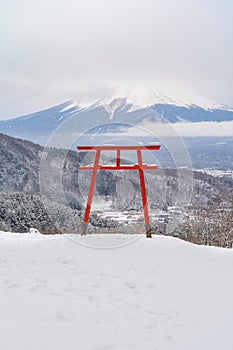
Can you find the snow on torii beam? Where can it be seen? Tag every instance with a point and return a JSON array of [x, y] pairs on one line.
[[139, 166]]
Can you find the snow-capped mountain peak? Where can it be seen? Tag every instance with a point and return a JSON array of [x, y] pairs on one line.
[[146, 97]]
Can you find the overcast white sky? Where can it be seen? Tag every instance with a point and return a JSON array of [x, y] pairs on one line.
[[54, 50]]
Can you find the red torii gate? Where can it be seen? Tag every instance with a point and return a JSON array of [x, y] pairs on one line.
[[140, 166]]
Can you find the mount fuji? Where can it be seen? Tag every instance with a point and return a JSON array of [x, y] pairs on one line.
[[125, 108]]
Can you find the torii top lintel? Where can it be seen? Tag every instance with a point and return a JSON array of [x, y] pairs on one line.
[[121, 148]]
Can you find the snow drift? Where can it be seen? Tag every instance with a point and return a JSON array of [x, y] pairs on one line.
[[159, 293]]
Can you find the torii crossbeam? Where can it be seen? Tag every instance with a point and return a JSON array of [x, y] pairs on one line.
[[140, 166]]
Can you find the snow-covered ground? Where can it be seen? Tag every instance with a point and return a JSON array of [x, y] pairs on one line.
[[160, 293]]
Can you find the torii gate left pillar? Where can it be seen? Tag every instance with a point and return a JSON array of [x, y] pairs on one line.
[[140, 166]]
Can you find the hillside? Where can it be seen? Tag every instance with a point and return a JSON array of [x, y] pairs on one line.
[[20, 167], [20, 212], [51, 195], [160, 293], [21, 204], [20, 171]]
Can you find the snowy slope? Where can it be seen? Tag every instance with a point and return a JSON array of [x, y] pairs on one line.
[[159, 293], [40, 125]]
